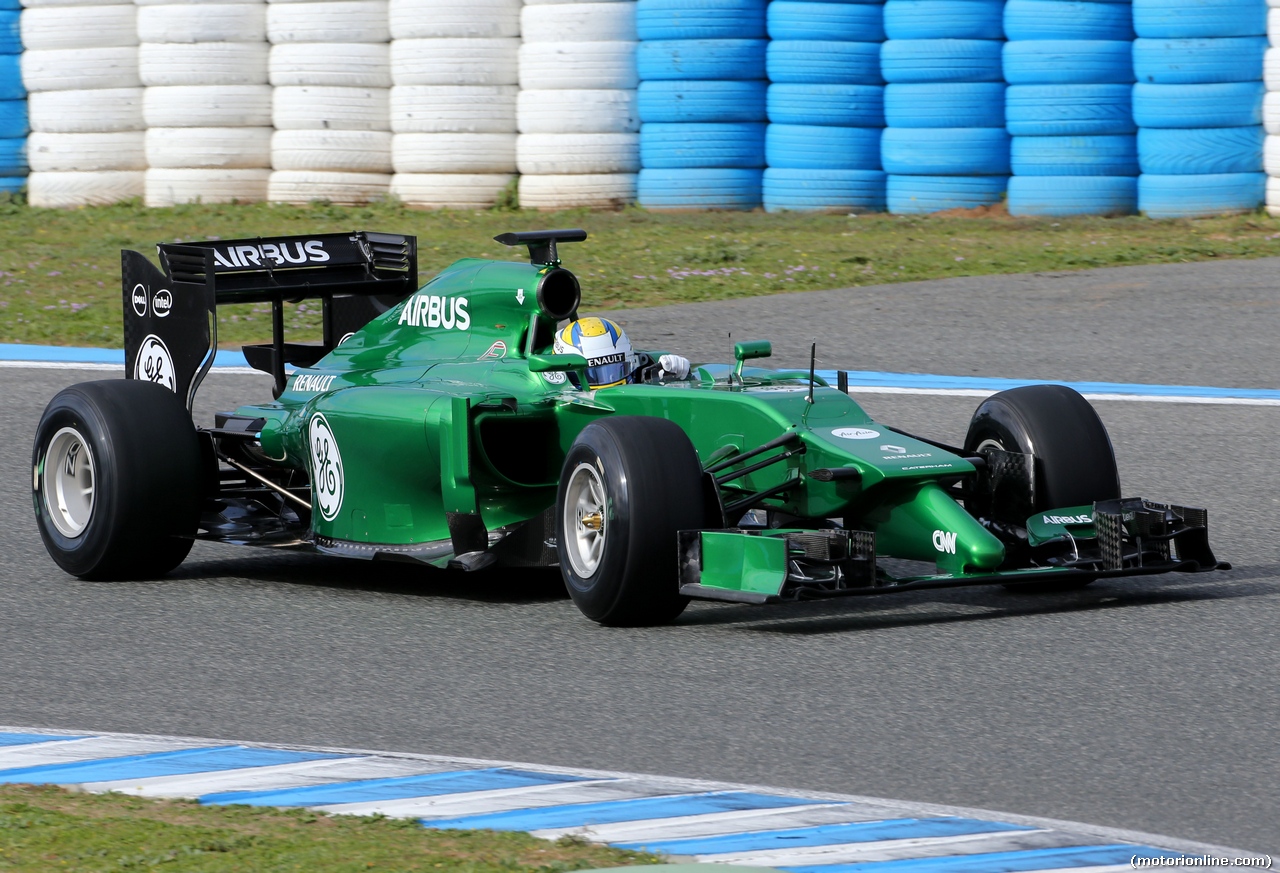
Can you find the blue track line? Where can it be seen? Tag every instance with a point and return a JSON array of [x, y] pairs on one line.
[[27, 739], [183, 761]]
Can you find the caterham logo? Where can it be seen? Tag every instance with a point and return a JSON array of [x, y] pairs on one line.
[[154, 363], [430, 310], [327, 483]]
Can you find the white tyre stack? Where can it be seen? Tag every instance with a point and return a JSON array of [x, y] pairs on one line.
[[207, 104], [80, 69], [330, 66], [579, 139], [453, 102]]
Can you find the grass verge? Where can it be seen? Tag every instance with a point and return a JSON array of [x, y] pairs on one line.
[[45, 828], [60, 269]]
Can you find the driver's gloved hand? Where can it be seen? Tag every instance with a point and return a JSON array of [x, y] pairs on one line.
[[674, 366]]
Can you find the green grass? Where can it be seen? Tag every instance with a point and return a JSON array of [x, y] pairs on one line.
[[45, 829], [60, 276]]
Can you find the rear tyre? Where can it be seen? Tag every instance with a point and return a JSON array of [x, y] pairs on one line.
[[629, 483], [117, 480], [1074, 462]]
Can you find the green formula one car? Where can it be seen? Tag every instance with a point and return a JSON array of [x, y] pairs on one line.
[[439, 425]]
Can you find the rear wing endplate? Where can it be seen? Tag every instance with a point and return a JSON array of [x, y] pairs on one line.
[[170, 313]]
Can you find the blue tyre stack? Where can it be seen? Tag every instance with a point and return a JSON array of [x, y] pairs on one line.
[[1198, 105], [826, 107], [1069, 107], [945, 145], [701, 103], [13, 102]]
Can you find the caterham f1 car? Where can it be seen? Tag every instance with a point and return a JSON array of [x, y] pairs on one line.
[[438, 425]]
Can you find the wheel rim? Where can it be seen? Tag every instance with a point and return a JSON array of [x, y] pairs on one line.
[[989, 444], [584, 520], [69, 482]]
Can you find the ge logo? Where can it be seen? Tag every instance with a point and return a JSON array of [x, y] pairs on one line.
[[154, 363], [326, 468]]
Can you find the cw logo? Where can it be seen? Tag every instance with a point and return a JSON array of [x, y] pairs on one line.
[[944, 541]]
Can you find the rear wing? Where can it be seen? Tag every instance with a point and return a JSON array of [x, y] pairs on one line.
[[170, 313]]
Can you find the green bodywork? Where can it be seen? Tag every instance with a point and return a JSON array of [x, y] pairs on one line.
[[438, 407]]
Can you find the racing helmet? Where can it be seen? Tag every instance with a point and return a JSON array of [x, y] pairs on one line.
[[610, 359]]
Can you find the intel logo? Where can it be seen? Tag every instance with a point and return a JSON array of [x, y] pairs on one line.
[[162, 303]]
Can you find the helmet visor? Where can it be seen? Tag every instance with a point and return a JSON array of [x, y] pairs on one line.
[[603, 375]]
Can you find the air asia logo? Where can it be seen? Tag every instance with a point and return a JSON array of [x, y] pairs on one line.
[[428, 310], [312, 382], [272, 254], [154, 363], [497, 350], [944, 541], [162, 303], [326, 468], [139, 298], [855, 433], [1067, 519]]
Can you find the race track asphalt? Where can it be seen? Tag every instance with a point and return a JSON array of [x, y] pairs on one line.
[[1148, 704]]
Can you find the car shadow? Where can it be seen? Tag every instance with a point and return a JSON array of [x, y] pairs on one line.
[[985, 603], [526, 585]]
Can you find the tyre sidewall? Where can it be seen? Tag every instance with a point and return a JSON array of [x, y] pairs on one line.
[[148, 482], [79, 555]]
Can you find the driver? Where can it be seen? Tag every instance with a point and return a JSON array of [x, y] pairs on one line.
[[610, 358]]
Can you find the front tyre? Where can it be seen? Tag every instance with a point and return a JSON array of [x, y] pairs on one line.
[[116, 479], [1075, 464], [629, 483]]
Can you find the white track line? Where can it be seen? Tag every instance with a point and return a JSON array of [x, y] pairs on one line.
[[463, 803], [73, 751], [714, 824]]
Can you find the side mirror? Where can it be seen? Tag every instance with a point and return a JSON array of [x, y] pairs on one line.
[[556, 363], [748, 350]]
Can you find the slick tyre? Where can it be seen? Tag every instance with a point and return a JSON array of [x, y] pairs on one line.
[[117, 480], [1074, 461], [629, 483]]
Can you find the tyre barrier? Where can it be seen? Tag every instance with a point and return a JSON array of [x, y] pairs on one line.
[[443, 19], [1199, 61], [701, 188], [941, 60], [453, 152], [1183, 19], [730, 101], [945, 104], [959, 151], [806, 19], [1069, 110], [600, 151], [13, 108], [574, 110], [354, 151], [943, 19], [668, 146], [812, 147], [445, 190], [1068, 62], [1271, 80], [300, 187], [1067, 19], [700, 19], [60, 152], [702, 102], [827, 105], [208, 63], [456, 108], [844, 191], [1200, 195], [1073, 149], [1210, 150], [827, 61], [342, 64], [918, 195], [1055, 196], [1189, 53], [1065, 156]]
